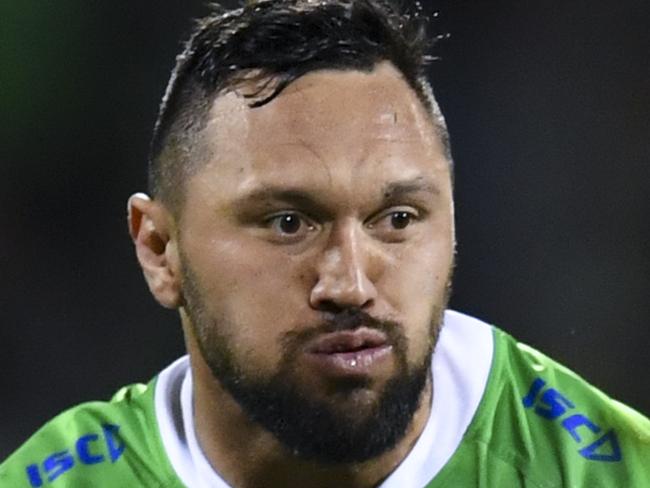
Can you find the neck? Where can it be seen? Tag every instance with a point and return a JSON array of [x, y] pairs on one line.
[[246, 455]]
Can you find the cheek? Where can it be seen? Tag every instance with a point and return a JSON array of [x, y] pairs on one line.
[[417, 287], [257, 297], [421, 271]]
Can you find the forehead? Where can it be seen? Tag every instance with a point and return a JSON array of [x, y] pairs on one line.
[[336, 128]]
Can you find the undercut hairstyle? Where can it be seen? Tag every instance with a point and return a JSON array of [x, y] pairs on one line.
[[278, 41]]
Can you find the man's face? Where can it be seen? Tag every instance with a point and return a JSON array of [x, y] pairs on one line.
[[316, 247]]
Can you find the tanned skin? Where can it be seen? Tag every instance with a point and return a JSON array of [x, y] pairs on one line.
[[340, 153]]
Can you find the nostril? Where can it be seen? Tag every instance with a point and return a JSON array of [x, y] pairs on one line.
[[329, 306], [336, 306]]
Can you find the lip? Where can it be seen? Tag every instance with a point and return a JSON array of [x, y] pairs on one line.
[[349, 353], [348, 341]]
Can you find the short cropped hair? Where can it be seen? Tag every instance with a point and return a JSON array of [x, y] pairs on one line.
[[279, 40]]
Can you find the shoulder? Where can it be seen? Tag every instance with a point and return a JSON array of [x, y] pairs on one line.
[[542, 422], [95, 444], [550, 392]]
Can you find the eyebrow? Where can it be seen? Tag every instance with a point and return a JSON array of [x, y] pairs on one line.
[[390, 192], [397, 189], [278, 193]]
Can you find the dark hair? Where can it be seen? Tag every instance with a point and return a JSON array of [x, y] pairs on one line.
[[280, 40]]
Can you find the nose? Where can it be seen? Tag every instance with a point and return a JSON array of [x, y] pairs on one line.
[[345, 271]]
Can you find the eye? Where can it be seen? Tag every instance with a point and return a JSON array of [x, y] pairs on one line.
[[400, 220], [289, 225], [394, 224]]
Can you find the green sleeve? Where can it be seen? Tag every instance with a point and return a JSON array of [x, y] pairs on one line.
[[540, 425], [98, 444]]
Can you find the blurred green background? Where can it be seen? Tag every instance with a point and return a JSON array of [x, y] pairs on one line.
[[547, 104]]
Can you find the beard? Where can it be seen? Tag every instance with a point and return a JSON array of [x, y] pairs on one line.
[[332, 427]]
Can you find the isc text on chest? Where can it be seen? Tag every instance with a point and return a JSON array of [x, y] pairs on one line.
[[552, 405]]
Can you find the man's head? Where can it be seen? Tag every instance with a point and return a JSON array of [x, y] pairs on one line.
[[311, 251]]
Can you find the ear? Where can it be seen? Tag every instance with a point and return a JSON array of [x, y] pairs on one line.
[[151, 229]]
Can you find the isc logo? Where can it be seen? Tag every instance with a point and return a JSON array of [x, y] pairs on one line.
[[89, 449], [552, 405]]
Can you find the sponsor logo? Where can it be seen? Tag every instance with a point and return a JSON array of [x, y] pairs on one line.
[[552, 405], [90, 449]]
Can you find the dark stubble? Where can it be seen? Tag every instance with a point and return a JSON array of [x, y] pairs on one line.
[[314, 428]]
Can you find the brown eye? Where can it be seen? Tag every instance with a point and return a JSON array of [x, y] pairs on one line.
[[395, 224], [289, 223], [290, 226], [400, 220]]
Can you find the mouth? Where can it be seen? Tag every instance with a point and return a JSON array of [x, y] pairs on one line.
[[350, 353]]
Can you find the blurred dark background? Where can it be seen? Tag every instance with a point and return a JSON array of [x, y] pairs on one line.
[[547, 104]]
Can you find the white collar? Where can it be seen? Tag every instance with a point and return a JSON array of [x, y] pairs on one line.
[[461, 366]]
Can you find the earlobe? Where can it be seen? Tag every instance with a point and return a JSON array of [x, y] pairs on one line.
[[150, 227]]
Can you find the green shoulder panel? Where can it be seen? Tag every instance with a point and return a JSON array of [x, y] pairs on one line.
[[97, 444], [540, 425]]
